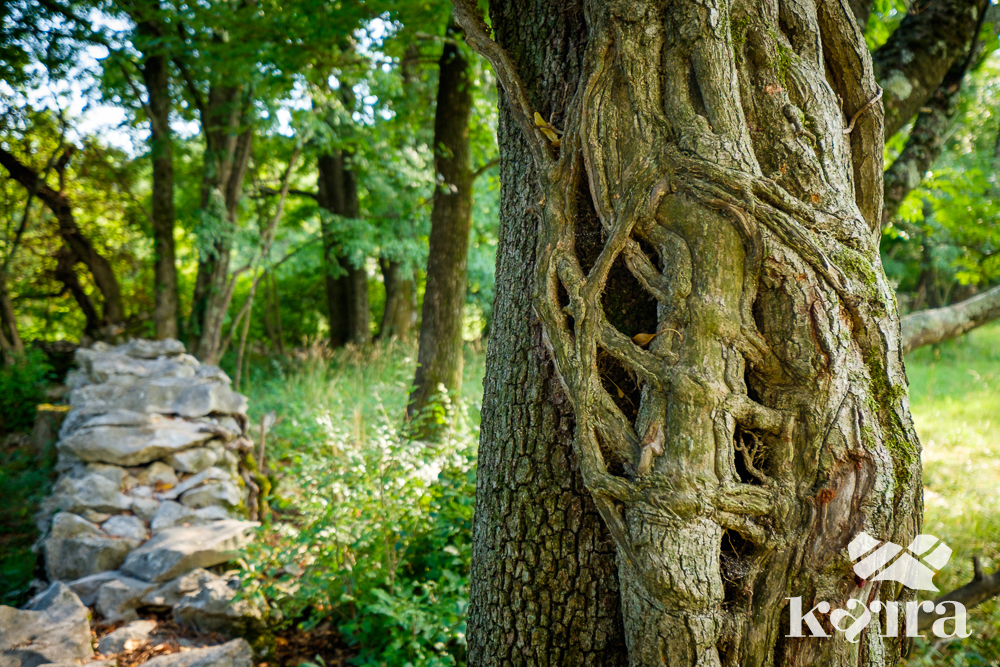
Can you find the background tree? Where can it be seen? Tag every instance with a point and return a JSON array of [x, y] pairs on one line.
[[439, 361]]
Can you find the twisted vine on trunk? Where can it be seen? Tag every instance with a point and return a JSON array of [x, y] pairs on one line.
[[735, 457]]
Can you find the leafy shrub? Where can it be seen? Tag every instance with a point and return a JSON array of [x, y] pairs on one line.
[[373, 533], [22, 388], [25, 480]]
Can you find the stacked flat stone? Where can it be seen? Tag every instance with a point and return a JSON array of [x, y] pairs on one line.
[[149, 492]]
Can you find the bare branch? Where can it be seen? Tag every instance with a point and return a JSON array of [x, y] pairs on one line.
[[941, 324], [975, 592]]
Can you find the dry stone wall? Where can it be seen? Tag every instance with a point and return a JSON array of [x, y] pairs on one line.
[[150, 499]]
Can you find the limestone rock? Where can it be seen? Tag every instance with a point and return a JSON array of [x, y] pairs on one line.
[[158, 473], [52, 629], [172, 592], [212, 609], [93, 491], [177, 550], [187, 397], [191, 460], [236, 653], [95, 517], [118, 598], [119, 366], [87, 587], [157, 437], [125, 525], [145, 508], [76, 557], [207, 475], [130, 637], [67, 524], [213, 513], [151, 349], [171, 514], [114, 473], [222, 493]]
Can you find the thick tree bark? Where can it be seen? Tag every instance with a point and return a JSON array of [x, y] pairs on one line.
[[439, 360], [400, 301], [705, 187], [544, 585], [346, 285], [940, 324], [83, 250], [912, 63]]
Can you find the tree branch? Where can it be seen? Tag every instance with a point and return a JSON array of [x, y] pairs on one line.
[[199, 101], [472, 23], [926, 141], [270, 192], [977, 591], [913, 62], [485, 168], [941, 324]]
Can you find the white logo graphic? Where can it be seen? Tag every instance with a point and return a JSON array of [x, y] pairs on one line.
[[914, 567], [906, 569]]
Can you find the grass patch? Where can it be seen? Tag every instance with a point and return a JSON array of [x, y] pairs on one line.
[[955, 400], [370, 531]]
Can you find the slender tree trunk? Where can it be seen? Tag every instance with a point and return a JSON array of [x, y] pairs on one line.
[[157, 80], [227, 155], [400, 302], [276, 301], [346, 285], [703, 187], [439, 360], [8, 318]]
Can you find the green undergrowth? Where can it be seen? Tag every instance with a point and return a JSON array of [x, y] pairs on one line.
[[955, 399], [370, 531], [25, 478]]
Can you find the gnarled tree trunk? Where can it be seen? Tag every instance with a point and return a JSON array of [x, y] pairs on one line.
[[695, 179]]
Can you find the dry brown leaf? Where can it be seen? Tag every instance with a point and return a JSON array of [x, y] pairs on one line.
[[643, 339]]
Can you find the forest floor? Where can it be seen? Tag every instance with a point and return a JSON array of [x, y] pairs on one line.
[[955, 400]]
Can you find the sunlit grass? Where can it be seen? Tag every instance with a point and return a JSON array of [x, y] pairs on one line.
[[370, 383], [956, 407]]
